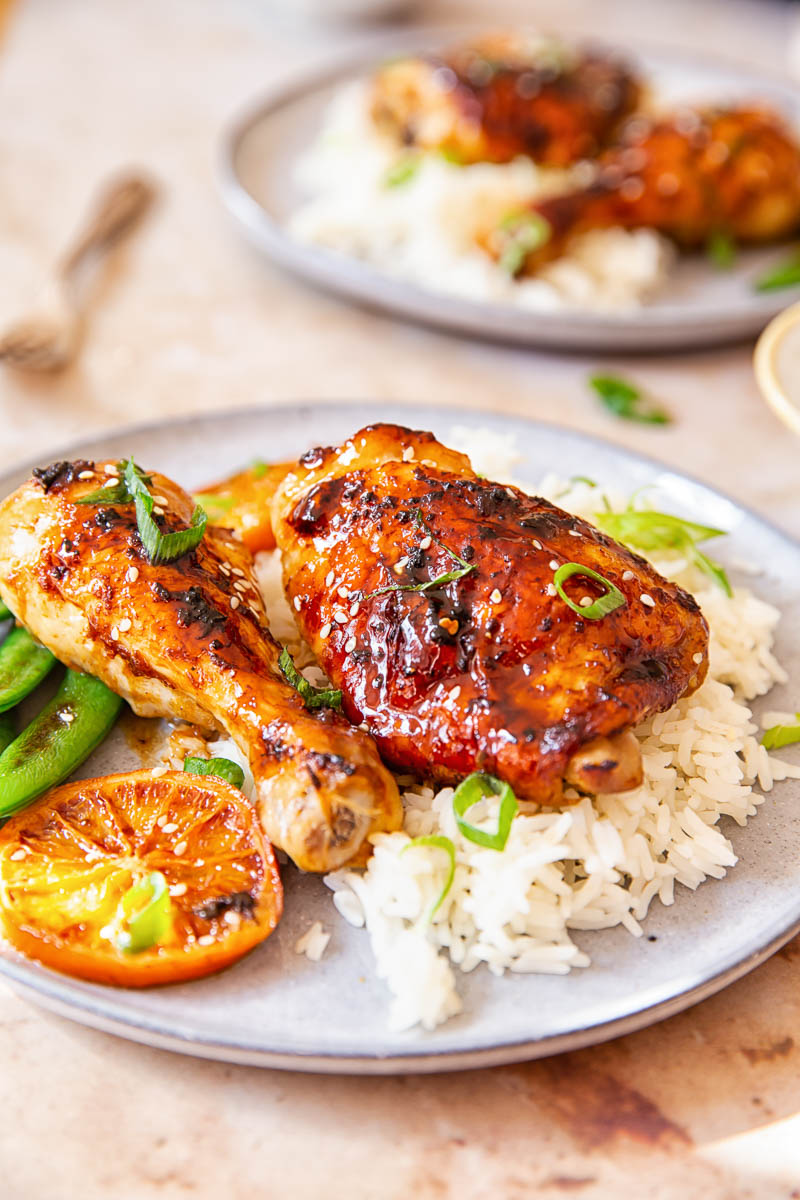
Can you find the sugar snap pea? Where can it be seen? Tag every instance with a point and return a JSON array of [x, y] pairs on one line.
[[57, 741], [23, 666]]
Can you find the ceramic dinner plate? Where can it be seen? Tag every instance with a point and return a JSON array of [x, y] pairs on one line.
[[699, 305], [277, 1009]]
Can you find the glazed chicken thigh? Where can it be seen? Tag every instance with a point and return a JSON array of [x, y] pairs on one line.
[[501, 96], [427, 594], [188, 639]]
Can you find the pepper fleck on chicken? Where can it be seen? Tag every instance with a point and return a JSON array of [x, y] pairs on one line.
[[189, 639], [427, 594]]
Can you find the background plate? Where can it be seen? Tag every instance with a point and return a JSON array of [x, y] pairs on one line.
[[698, 306], [277, 1009]]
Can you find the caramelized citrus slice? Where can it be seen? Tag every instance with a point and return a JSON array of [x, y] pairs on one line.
[[243, 503], [138, 879]]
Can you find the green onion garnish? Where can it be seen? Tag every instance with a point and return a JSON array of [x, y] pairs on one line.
[[312, 697], [721, 249], [452, 156], [161, 547], [625, 401], [650, 530], [148, 914], [224, 768], [592, 483], [440, 843], [403, 171], [605, 604], [787, 274], [213, 504], [477, 787], [527, 232], [258, 468], [778, 736], [459, 572], [119, 493]]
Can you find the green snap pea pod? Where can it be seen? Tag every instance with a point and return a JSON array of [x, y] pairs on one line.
[[5, 611], [8, 730], [23, 666], [57, 741]]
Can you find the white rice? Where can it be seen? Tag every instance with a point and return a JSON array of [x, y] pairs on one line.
[[313, 943], [424, 229]]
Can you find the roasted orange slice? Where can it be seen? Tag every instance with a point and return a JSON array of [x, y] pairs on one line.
[[242, 503], [145, 878]]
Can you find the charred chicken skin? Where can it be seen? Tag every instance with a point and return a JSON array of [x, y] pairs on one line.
[[691, 177], [427, 594], [503, 96], [188, 639]]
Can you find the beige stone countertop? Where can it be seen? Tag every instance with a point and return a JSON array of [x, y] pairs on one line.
[[189, 319]]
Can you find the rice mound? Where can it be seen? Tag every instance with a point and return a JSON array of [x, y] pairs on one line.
[[424, 229], [594, 864]]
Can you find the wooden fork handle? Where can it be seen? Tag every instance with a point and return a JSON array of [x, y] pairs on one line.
[[119, 209]]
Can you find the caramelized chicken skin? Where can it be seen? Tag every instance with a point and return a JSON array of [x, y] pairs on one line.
[[734, 172], [189, 639], [502, 96], [487, 669]]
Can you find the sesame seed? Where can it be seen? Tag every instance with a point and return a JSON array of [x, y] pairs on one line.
[[235, 602], [199, 862], [627, 576], [343, 592], [224, 568], [162, 820], [400, 566], [537, 543], [553, 565], [428, 462], [326, 628], [354, 609], [160, 500], [425, 544], [180, 848], [157, 772], [132, 574], [205, 939], [408, 454], [329, 578], [110, 469], [585, 601], [350, 645], [455, 693], [573, 533], [298, 603], [242, 587], [86, 475], [364, 726], [340, 617], [697, 658], [124, 624], [237, 571], [178, 889], [232, 918], [159, 510], [496, 596], [551, 589], [648, 600], [67, 717], [170, 828], [18, 855], [114, 633]]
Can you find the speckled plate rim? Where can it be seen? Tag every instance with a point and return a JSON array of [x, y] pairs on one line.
[[651, 328], [107, 1013]]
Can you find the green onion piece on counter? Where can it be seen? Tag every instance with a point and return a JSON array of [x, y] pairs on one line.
[[311, 696], [148, 915], [478, 787], [58, 740], [161, 547], [648, 530], [721, 249], [624, 400], [223, 768], [786, 275], [528, 231], [403, 171], [439, 843], [778, 736], [23, 666], [612, 599], [5, 612], [8, 730]]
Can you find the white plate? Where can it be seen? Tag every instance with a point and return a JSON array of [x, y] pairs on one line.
[[277, 1009], [699, 305]]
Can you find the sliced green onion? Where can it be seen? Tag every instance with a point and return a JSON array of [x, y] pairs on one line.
[[612, 599], [624, 400], [648, 530], [459, 572], [258, 468], [148, 914], [477, 787], [312, 697], [452, 156], [214, 505], [161, 547], [787, 274], [403, 171], [223, 768], [778, 736], [439, 843], [120, 493], [592, 483], [721, 249], [528, 232]]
